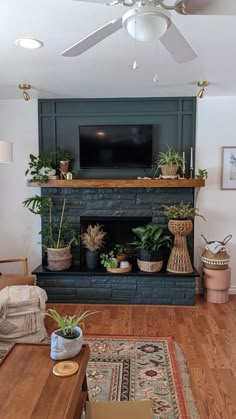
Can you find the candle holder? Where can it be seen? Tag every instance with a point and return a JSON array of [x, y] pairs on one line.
[[191, 173]]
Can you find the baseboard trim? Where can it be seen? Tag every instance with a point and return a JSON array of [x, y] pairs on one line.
[[232, 290]]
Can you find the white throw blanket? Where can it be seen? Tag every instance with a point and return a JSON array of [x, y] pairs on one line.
[[21, 313]]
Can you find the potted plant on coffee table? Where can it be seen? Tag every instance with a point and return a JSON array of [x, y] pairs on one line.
[[150, 242], [57, 237], [66, 342], [169, 163], [180, 225], [93, 241]]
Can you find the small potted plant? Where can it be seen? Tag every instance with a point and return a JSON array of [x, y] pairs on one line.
[[201, 174], [41, 167], [180, 225], [120, 252], [151, 239], [108, 260], [169, 163], [93, 241], [64, 157], [66, 342], [57, 236]]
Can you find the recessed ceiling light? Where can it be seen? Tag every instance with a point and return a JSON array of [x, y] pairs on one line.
[[29, 43]]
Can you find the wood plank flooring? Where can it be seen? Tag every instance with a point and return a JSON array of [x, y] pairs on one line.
[[206, 333]]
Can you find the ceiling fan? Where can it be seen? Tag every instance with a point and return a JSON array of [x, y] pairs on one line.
[[148, 20]]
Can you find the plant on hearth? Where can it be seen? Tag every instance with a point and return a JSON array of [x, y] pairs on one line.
[[108, 259], [93, 237], [151, 243], [181, 211], [57, 233]]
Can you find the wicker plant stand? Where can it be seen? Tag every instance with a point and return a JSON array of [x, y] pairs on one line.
[[179, 261]]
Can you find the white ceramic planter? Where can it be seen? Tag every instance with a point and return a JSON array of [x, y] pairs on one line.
[[62, 348]]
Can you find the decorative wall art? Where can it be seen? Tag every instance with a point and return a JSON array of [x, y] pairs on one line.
[[228, 173]]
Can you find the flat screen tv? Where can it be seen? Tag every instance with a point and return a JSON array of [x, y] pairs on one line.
[[115, 146]]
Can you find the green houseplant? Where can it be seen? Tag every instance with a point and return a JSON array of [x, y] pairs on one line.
[[180, 225], [57, 236], [109, 260], [169, 163], [66, 342], [41, 167], [93, 240], [64, 157], [201, 174], [151, 239]]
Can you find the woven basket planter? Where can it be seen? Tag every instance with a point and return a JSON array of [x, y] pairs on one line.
[[59, 259], [179, 261], [147, 266], [169, 170]]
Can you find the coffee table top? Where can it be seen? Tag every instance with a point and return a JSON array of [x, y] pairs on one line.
[[29, 389]]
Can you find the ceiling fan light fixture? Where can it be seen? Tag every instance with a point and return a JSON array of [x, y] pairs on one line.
[[24, 87], [202, 84], [29, 43], [145, 24]]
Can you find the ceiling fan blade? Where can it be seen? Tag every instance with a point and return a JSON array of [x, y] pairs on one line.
[[177, 45], [93, 1], [206, 7], [93, 39]]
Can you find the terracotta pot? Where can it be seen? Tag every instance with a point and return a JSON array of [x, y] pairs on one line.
[[169, 170]]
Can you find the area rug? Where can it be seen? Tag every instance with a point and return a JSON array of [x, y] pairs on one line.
[[122, 369], [134, 369]]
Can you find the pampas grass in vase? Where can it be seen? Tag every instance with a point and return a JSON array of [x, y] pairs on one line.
[[93, 240]]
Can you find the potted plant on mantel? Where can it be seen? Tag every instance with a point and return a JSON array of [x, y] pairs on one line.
[[64, 157], [93, 241], [57, 236], [67, 341], [169, 163], [180, 225], [41, 167], [151, 239]]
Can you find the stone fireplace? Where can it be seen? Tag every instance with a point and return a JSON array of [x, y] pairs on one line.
[[119, 210]]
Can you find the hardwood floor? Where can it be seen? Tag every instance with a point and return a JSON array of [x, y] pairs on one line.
[[206, 333]]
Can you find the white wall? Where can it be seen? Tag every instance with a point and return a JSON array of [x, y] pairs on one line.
[[18, 227], [216, 127]]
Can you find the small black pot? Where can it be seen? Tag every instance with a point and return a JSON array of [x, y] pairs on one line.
[[92, 259]]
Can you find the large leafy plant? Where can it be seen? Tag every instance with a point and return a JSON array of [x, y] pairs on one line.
[[151, 237], [40, 167], [182, 211], [68, 323], [55, 233]]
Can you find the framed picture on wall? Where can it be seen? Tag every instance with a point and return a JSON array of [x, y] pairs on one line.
[[228, 170]]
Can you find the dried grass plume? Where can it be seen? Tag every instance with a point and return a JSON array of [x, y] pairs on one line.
[[93, 238]]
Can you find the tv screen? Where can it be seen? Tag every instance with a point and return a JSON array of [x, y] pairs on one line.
[[115, 146]]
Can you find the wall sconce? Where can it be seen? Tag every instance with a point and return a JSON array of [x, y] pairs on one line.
[[6, 152], [202, 84], [24, 87]]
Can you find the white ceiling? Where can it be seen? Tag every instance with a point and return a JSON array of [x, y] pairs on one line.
[[106, 69]]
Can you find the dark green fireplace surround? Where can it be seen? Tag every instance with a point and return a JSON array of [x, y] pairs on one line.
[[174, 121]]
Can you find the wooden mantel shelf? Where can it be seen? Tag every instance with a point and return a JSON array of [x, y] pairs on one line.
[[121, 183]]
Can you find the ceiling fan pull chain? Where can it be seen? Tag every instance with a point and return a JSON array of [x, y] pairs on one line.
[[135, 65], [156, 77]]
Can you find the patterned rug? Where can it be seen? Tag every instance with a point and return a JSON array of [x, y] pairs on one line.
[[133, 368]]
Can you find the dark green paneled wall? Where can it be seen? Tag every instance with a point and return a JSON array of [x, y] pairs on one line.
[[174, 120]]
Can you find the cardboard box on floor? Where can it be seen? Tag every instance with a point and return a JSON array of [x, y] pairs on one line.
[[138, 409]]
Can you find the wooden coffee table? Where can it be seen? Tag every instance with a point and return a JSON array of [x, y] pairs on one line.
[[29, 389]]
